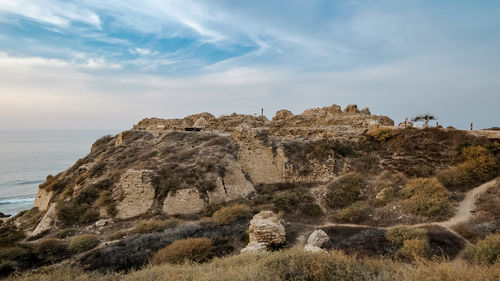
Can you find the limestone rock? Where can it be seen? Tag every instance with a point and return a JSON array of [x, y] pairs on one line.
[[282, 114], [42, 199], [102, 222], [201, 123], [184, 202], [47, 221], [266, 227], [313, 249], [233, 186], [134, 193], [317, 238], [119, 140], [352, 108], [254, 247]]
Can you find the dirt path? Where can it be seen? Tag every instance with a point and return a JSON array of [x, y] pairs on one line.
[[466, 206], [463, 213]]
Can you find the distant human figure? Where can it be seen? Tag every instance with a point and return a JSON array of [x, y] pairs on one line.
[[471, 126]]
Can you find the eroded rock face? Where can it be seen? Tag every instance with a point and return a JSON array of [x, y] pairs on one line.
[[184, 202], [47, 221], [42, 199], [134, 193], [258, 159], [266, 228], [233, 186]]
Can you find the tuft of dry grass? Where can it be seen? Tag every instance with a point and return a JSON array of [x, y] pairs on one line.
[[180, 251], [230, 214], [154, 225]]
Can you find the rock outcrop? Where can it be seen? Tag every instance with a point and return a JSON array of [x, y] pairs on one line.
[[183, 202], [134, 193], [316, 240], [266, 229], [47, 222], [42, 199]]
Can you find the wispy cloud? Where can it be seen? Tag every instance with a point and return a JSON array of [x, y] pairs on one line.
[[59, 13]]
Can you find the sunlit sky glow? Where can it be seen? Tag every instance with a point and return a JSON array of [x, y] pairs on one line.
[[106, 64]]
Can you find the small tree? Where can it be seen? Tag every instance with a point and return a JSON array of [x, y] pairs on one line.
[[424, 118]]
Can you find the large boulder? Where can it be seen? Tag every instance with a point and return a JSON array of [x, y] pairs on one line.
[[315, 241], [317, 238], [266, 229]]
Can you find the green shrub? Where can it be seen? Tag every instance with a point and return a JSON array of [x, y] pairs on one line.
[[414, 248], [82, 243], [52, 250], [71, 212], [427, 198], [354, 213], [192, 249], [486, 251], [479, 165], [398, 234], [154, 225], [345, 191], [286, 201], [230, 214]]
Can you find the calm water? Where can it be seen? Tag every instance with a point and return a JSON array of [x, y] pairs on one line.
[[27, 157]]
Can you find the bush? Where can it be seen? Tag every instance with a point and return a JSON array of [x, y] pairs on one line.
[[52, 251], [9, 234], [231, 214], [354, 213], [427, 198], [345, 191], [106, 201], [479, 165], [82, 243], [192, 249], [414, 248], [398, 234], [71, 212], [154, 225], [65, 233], [486, 251]]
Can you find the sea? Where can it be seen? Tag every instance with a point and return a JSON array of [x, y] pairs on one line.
[[27, 157]]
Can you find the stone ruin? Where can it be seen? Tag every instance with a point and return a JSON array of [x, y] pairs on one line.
[[266, 229]]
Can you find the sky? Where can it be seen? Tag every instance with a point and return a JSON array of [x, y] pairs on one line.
[[107, 64]]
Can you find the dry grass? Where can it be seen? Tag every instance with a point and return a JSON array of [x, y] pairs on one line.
[[398, 234], [82, 243], [180, 251], [294, 265], [486, 251], [231, 214], [154, 225], [479, 165], [426, 198]]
